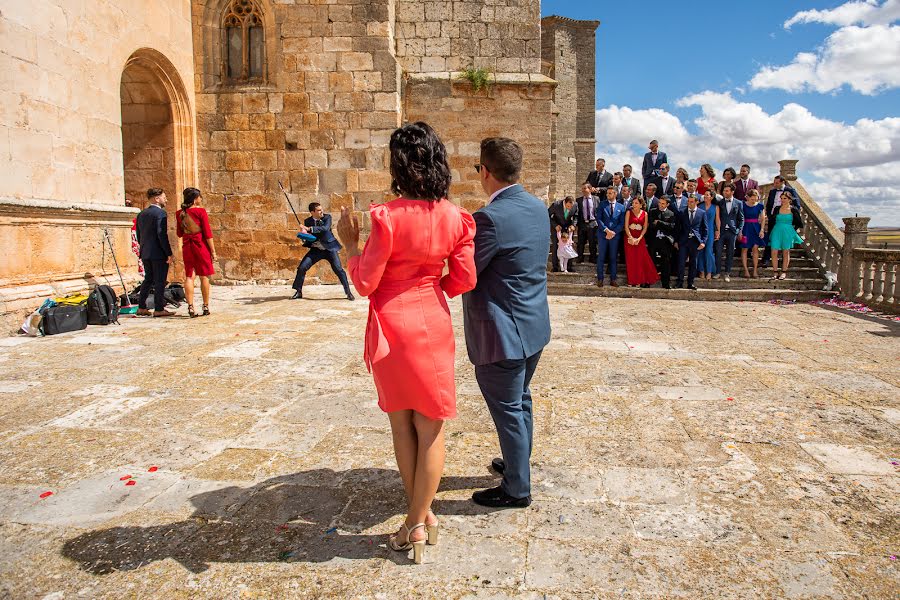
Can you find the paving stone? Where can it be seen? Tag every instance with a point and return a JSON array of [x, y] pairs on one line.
[[645, 486], [850, 461]]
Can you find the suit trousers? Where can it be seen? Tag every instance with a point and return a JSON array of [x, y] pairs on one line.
[[554, 246], [312, 257], [687, 252], [505, 386], [586, 235], [609, 249], [728, 241], [663, 249], [156, 273]]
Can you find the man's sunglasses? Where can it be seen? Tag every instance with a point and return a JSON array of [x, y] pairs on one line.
[[477, 168]]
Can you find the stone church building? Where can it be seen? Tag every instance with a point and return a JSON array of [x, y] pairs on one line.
[[101, 100]]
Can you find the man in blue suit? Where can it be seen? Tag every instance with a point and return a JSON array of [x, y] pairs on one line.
[[506, 316], [653, 160], [156, 252], [612, 224], [326, 247], [691, 238]]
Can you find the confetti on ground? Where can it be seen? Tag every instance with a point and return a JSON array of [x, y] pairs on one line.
[[730, 399], [281, 528], [153, 469], [780, 302], [46, 495], [124, 477], [332, 530], [131, 482], [852, 306]]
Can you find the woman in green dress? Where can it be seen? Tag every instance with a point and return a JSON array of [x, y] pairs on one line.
[[785, 234]]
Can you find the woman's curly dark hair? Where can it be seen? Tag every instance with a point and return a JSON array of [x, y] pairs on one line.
[[419, 167]]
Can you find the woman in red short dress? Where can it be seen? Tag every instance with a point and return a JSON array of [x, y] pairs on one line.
[[197, 248], [409, 346], [638, 264]]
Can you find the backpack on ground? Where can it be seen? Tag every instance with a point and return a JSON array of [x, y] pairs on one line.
[[173, 296], [61, 319], [102, 306]]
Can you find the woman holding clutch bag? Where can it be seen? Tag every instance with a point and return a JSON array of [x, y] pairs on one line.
[[197, 248]]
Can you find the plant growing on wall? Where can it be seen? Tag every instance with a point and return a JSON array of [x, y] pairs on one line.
[[480, 78]]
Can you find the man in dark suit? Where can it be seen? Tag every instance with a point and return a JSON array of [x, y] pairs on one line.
[[325, 247], [732, 224], [773, 203], [563, 217], [618, 185], [665, 183], [156, 252], [744, 184], [652, 161], [663, 226], [588, 207], [506, 317], [691, 235], [600, 179], [633, 182], [609, 233]]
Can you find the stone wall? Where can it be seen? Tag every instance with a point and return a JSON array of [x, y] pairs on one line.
[[502, 35], [61, 153], [320, 125], [568, 47], [515, 105]]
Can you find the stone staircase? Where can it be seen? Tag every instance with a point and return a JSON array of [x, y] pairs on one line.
[[805, 282]]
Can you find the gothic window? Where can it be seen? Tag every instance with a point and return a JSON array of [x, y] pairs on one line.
[[244, 55]]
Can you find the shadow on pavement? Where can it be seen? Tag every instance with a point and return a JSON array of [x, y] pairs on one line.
[[313, 516]]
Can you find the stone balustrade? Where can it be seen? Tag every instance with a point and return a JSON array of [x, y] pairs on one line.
[[875, 278]]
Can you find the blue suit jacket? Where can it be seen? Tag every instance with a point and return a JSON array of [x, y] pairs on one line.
[[322, 230], [697, 226], [648, 167], [615, 220], [152, 234], [506, 316]]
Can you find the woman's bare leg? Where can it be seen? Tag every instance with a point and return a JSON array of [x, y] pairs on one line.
[[406, 448], [204, 289], [429, 468], [188, 291]]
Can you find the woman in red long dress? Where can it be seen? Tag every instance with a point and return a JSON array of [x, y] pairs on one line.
[[638, 264], [707, 179], [409, 345], [197, 248]]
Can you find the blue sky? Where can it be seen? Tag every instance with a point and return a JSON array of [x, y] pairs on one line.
[[825, 89]]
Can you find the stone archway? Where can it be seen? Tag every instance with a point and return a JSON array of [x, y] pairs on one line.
[[158, 142]]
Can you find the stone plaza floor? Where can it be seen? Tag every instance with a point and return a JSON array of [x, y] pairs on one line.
[[682, 449]]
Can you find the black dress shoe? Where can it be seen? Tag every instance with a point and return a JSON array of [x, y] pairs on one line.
[[498, 465], [350, 296], [496, 498], [692, 287], [297, 295]]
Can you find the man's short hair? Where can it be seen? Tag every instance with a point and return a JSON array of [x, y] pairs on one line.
[[568, 199], [154, 192], [611, 189], [666, 198], [653, 142], [502, 157], [618, 173], [599, 159], [748, 166], [313, 206], [651, 185], [627, 166], [585, 184], [779, 178], [728, 186], [666, 165], [692, 180]]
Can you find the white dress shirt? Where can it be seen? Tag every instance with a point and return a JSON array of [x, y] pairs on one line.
[[500, 191]]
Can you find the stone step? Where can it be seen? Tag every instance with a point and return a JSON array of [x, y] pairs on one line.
[[723, 295], [736, 283]]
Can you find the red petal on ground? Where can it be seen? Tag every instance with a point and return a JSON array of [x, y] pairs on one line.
[[131, 482], [123, 478], [46, 495], [153, 469]]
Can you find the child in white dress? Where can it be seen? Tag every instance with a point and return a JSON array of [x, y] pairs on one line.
[[565, 250]]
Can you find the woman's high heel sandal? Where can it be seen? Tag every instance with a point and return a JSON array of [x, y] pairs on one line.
[[432, 531], [205, 310], [191, 312], [418, 548]]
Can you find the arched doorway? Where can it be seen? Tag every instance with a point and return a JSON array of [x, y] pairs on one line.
[[158, 148]]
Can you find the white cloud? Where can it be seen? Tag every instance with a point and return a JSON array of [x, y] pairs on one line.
[[856, 158], [867, 59], [868, 12]]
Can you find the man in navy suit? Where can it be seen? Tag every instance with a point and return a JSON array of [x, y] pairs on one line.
[[506, 317], [612, 224], [326, 247], [156, 253], [653, 160], [691, 235], [732, 219]]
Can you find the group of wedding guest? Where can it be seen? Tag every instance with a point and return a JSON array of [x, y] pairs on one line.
[[689, 227]]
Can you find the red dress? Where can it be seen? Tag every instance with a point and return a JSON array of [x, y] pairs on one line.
[[705, 184], [410, 348], [194, 250], [638, 264]]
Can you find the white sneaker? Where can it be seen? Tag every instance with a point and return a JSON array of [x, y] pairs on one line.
[[727, 279]]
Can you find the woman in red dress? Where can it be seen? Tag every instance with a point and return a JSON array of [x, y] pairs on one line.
[[409, 346], [197, 248], [638, 264], [707, 179]]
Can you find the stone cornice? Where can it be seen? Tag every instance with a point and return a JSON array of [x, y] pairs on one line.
[[553, 19], [32, 207], [495, 78]]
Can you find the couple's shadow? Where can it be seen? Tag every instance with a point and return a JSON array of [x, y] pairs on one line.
[[314, 516]]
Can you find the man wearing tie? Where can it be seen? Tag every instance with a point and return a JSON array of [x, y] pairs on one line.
[[652, 161], [600, 179], [563, 217], [732, 225], [618, 185], [664, 183], [691, 235], [612, 223], [773, 203], [586, 223], [633, 182], [744, 184]]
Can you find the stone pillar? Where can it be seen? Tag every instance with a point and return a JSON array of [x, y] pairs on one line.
[[856, 235], [788, 169]]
